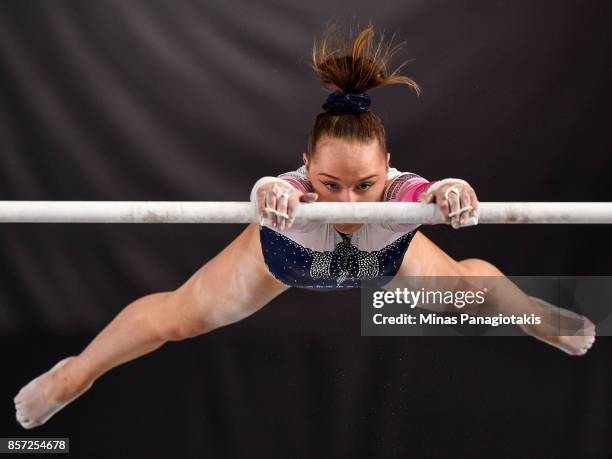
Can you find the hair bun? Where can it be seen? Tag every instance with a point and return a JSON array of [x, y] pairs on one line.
[[339, 103], [348, 65]]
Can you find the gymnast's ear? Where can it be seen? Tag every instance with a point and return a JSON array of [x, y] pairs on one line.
[[305, 159], [388, 160]]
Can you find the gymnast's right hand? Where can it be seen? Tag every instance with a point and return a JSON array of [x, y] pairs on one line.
[[278, 202]]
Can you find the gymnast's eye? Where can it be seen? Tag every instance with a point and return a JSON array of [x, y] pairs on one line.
[[331, 186], [365, 185]]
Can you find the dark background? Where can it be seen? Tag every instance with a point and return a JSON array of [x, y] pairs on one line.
[[195, 100]]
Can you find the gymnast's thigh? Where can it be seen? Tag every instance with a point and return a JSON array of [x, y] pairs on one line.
[[424, 258], [233, 284], [425, 265]]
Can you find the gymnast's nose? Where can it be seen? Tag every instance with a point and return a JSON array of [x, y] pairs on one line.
[[349, 196]]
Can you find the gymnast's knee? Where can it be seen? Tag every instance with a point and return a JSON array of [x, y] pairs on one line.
[[478, 267], [179, 319], [182, 330]]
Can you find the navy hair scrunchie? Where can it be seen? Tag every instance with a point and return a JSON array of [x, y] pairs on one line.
[[339, 103]]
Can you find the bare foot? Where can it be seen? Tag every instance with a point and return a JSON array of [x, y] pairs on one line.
[[45, 395], [568, 331]]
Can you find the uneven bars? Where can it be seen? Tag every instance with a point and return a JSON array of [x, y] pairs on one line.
[[322, 212]]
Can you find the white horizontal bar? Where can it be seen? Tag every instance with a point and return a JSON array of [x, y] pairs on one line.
[[324, 212]]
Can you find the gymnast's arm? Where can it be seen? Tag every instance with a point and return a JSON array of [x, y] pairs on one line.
[[459, 208], [405, 187]]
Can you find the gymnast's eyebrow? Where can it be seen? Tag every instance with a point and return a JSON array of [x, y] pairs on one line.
[[336, 178]]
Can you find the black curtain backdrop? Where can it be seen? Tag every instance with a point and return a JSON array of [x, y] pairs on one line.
[[195, 100]]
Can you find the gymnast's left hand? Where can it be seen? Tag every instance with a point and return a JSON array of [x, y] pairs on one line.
[[457, 201]]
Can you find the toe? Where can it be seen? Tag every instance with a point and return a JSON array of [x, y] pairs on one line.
[[27, 425]]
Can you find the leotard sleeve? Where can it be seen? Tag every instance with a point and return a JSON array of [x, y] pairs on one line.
[[404, 187], [298, 180]]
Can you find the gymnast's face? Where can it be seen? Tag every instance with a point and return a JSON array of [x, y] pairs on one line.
[[346, 171]]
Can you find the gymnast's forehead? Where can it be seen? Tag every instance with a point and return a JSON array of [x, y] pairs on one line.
[[347, 157]]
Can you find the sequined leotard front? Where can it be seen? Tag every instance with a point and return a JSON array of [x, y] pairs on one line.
[[317, 256]]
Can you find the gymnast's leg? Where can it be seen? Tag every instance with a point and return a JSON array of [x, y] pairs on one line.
[[228, 288], [433, 268]]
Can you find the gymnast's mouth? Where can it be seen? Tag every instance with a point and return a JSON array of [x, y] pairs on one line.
[[348, 228]]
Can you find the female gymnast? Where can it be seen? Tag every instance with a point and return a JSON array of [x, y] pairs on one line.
[[346, 160]]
